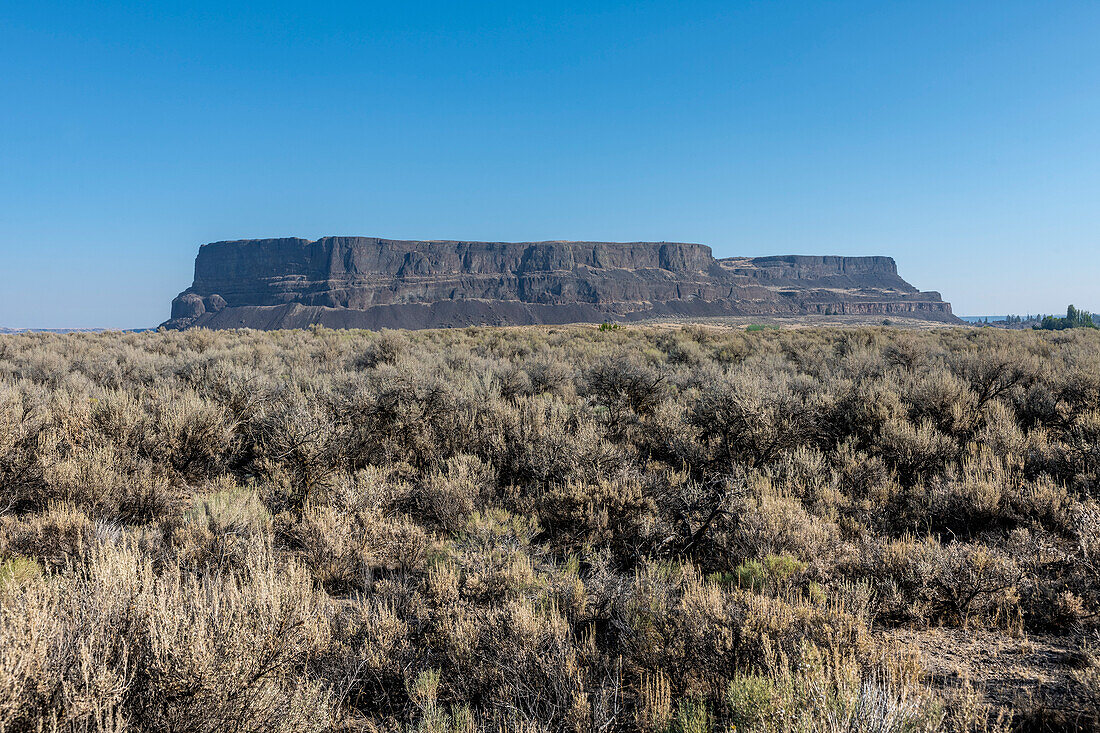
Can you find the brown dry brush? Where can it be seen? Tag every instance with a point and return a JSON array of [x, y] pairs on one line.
[[549, 529]]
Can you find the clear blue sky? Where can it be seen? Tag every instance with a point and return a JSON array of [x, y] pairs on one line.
[[962, 138]]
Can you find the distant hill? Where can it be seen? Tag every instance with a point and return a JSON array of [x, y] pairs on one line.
[[361, 282]]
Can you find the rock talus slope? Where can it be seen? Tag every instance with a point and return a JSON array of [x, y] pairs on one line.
[[365, 282]]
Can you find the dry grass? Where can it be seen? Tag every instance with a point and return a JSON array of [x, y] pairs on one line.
[[642, 529]]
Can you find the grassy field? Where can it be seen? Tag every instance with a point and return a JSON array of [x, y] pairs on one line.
[[675, 529]]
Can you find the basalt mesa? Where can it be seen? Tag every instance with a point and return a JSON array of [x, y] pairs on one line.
[[365, 282]]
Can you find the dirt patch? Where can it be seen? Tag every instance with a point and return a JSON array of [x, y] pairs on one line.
[[1032, 675]]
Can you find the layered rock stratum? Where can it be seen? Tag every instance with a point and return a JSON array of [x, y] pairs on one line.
[[366, 282]]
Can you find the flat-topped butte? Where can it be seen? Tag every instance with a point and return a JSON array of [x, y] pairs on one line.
[[366, 282]]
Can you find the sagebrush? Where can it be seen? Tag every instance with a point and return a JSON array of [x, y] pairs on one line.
[[575, 528]]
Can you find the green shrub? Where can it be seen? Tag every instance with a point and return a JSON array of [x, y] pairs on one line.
[[753, 702], [16, 571], [692, 716], [771, 571]]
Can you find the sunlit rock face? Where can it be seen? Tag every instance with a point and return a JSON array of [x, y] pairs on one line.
[[365, 282]]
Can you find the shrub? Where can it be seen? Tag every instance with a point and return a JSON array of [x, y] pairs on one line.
[[110, 485], [752, 417], [830, 692], [624, 385], [18, 570], [546, 528], [449, 495], [773, 570], [754, 702], [692, 716]]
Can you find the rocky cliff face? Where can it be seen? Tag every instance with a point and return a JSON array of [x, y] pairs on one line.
[[373, 283]]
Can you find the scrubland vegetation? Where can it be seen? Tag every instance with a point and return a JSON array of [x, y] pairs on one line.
[[574, 529]]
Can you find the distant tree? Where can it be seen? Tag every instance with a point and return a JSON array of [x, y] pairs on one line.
[[1074, 319]]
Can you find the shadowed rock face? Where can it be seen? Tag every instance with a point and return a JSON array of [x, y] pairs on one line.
[[373, 283]]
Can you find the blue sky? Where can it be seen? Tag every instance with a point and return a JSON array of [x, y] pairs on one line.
[[961, 138]]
